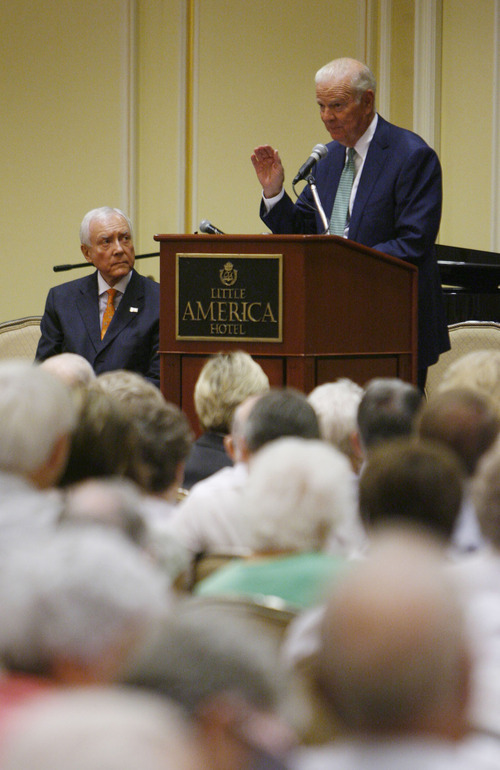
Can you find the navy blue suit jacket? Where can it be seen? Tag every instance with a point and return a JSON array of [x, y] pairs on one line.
[[70, 323], [397, 210]]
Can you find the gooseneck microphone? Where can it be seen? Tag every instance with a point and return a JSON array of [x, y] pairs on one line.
[[207, 227], [318, 152]]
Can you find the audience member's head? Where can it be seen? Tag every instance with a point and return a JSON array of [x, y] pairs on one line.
[[102, 443], [74, 604], [298, 494], [393, 662], [74, 370], [336, 405], [109, 502], [478, 371], [229, 683], [92, 727], [162, 436], [486, 495], [225, 381], [465, 421], [387, 410], [281, 412], [419, 483], [37, 415]]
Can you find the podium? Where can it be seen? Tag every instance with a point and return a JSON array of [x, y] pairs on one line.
[[325, 307]]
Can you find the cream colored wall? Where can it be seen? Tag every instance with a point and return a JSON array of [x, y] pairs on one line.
[[94, 113], [467, 122], [256, 86], [60, 134], [160, 157]]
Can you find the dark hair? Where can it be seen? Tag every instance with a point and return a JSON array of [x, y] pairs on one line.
[[418, 482], [387, 410], [281, 412]]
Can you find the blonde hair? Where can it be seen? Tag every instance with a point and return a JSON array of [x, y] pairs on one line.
[[225, 381]]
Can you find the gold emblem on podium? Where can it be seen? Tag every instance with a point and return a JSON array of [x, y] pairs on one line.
[[228, 275]]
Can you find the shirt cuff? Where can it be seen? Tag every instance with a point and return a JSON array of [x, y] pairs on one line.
[[269, 203]]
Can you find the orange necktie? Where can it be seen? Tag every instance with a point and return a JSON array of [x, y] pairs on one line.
[[109, 312]]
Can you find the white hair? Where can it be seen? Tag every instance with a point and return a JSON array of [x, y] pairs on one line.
[[336, 405], [74, 370], [36, 410], [361, 77], [298, 491], [102, 213], [91, 727], [74, 596]]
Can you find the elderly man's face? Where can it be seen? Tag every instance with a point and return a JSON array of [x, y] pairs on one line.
[[111, 249], [345, 118]]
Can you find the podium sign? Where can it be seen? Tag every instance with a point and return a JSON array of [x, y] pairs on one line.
[[230, 297], [308, 308]]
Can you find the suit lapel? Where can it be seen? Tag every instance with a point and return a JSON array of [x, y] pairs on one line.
[[131, 305], [88, 306], [374, 163]]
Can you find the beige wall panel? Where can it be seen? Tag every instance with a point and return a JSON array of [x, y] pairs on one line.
[[466, 122], [256, 86], [402, 50], [60, 136], [160, 160]]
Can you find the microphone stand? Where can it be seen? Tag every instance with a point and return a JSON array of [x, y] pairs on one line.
[[60, 268], [312, 184]]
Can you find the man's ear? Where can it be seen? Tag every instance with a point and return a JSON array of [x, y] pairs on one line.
[[86, 252], [229, 446]]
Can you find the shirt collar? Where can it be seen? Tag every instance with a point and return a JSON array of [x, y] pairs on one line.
[[120, 286], [363, 142]]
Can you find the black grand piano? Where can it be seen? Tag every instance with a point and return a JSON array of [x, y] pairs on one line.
[[471, 283]]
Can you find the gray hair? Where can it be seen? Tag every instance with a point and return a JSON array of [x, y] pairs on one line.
[[361, 77], [336, 405], [102, 213], [75, 595], [74, 370], [90, 727], [485, 492], [387, 410], [297, 493], [478, 371], [225, 381], [187, 658], [36, 410], [281, 412]]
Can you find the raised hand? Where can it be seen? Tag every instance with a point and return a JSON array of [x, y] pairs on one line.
[[269, 169]]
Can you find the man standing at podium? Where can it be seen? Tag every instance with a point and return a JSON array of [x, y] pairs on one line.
[[379, 185], [111, 317]]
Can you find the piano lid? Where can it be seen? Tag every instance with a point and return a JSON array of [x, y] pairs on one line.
[[468, 270]]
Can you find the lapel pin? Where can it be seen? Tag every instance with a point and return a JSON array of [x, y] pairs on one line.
[[133, 309]]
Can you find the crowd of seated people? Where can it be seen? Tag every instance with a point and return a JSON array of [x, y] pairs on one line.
[[349, 613]]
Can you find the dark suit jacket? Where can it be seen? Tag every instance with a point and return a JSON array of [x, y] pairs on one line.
[[70, 323], [207, 456], [397, 210]]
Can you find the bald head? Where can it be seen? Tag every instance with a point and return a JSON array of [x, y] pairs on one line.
[[393, 658]]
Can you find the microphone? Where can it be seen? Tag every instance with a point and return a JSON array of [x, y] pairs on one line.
[[207, 227], [318, 152]]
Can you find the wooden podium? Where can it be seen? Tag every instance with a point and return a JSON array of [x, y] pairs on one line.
[[344, 310]]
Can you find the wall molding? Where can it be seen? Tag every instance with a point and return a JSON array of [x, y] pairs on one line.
[[129, 101], [427, 71], [495, 150], [384, 60]]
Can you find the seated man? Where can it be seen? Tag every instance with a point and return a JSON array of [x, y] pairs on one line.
[[78, 313]]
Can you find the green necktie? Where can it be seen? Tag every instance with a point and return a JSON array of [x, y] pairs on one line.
[[341, 205]]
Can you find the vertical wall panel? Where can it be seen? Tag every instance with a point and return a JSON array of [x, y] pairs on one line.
[[61, 136]]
